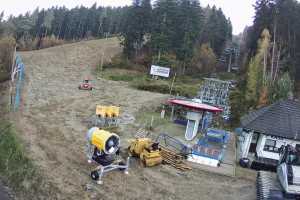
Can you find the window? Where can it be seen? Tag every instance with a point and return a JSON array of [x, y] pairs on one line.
[[297, 147], [270, 146]]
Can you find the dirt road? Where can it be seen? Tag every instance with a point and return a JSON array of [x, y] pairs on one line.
[[52, 128]]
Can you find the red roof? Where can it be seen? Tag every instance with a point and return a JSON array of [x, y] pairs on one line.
[[194, 105]]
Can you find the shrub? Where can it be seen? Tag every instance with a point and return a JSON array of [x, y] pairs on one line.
[[17, 170], [160, 86], [120, 62], [52, 41], [7, 47], [28, 44]]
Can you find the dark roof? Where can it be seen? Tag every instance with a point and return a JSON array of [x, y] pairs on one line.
[[280, 119]]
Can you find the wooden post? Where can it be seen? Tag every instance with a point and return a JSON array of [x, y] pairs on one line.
[[158, 58], [235, 154], [102, 61], [172, 84], [229, 64], [13, 66], [151, 124], [162, 114], [172, 113]]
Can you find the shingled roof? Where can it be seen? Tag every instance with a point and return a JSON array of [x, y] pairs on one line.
[[280, 119]]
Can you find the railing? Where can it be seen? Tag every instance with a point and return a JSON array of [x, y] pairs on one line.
[[17, 79]]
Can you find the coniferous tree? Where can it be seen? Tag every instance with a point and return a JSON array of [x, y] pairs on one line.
[[134, 29]]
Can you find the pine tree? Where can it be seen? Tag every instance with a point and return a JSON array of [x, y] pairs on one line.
[[134, 29]]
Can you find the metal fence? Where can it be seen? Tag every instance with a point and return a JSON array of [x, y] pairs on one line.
[[17, 79]]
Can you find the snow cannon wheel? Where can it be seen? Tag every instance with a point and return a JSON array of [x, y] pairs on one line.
[[245, 162], [122, 163], [95, 175]]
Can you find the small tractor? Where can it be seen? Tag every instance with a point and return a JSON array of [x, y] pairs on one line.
[[146, 150], [287, 183], [85, 85]]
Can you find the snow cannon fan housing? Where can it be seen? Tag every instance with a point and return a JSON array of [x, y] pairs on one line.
[[104, 141]]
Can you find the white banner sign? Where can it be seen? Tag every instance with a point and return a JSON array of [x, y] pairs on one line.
[[160, 71]]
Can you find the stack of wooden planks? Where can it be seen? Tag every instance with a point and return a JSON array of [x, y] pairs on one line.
[[141, 133], [174, 159]]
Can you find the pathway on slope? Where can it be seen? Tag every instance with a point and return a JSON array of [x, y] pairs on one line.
[[54, 108], [51, 124]]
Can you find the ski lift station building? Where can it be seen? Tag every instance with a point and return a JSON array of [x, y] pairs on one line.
[[194, 115]]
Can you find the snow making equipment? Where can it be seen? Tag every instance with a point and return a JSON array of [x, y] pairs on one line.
[[103, 148], [105, 116]]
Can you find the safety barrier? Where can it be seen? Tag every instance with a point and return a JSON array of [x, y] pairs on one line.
[[17, 79]]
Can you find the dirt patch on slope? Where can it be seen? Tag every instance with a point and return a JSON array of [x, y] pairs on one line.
[[51, 125]]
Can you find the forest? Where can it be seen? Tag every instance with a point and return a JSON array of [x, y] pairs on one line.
[[270, 57], [171, 32]]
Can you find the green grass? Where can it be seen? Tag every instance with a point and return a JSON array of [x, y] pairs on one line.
[[145, 117], [126, 78], [16, 169], [181, 88], [14, 165], [226, 76], [137, 75], [184, 86], [120, 75], [160, 125]]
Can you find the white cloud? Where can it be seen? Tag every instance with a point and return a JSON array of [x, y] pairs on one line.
[[241, 12]]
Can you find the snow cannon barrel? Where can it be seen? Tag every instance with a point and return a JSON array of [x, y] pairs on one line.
[[104, 141]]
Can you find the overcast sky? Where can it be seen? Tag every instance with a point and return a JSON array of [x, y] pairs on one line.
[[241, 12]]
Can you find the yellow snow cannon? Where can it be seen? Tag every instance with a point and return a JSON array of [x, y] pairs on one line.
[[103, 147]]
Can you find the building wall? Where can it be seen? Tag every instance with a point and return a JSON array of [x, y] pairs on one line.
[[246, 138], [264, 153]]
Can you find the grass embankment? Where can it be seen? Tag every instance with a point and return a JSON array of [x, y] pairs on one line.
[[120, 69], [16, 169]]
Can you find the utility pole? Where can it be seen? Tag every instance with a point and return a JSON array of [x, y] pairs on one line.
[[229, 64], [12, 74], [172, 84], [102, 61]]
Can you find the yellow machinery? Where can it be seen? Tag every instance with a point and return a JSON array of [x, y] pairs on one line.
[[107, 111], [146, 150], [103, 147], [107, 116]]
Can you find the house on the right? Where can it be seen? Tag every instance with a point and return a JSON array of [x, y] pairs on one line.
[[265, 130]]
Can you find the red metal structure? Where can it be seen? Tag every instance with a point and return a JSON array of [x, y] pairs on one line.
[[195, 113], [194, 105]]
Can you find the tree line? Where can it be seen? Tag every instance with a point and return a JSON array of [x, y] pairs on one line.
[[62, 23], [173, 32]]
